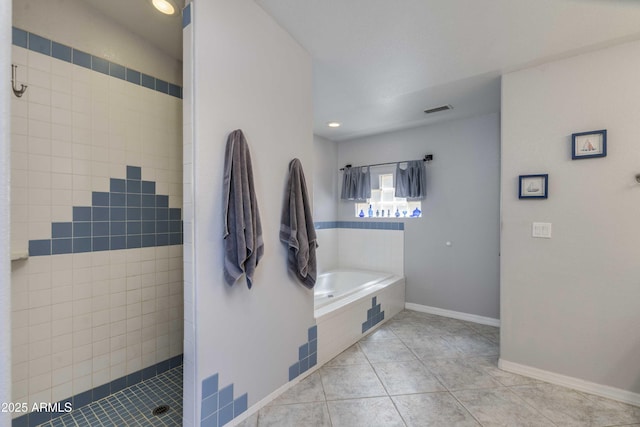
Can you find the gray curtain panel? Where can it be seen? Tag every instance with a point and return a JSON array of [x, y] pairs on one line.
[[356, 184], [411, 181]]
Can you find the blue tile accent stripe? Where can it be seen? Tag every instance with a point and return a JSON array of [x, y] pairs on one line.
[[374, 315], [362, 224], [218, 405], [186, 16], [130, 215], [36, 43], [307, 354], [87, 397]]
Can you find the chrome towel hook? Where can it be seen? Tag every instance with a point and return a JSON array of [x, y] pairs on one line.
[[17, 92]]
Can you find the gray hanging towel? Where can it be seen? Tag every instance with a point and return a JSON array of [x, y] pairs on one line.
[[296, 228], [243, 245], [356, 184], [411, 182]]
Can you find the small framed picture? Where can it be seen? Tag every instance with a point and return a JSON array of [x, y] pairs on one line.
[[585, 145], [533, 186]]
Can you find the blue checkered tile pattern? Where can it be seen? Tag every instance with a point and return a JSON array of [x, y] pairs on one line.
[[374, 315], [365, 224], [130, 215], [307, 354], [218, 405], [132, 406]]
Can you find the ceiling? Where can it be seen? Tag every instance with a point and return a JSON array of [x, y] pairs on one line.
[[377, 64], [141, 18]]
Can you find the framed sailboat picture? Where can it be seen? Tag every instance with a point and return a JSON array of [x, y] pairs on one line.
[[534, 186], [585, 145]]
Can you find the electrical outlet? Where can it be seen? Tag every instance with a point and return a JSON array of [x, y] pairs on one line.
[[541, 230]]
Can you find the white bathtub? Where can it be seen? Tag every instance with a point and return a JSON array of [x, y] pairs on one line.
[[346, 299], [335, 285]]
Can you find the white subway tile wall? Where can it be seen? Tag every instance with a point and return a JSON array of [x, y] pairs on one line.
[[81, 320]]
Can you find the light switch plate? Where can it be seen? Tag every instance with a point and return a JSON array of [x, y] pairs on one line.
[[541, 229]]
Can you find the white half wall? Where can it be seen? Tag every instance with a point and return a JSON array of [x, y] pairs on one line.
[[570, 304], [248, 73]]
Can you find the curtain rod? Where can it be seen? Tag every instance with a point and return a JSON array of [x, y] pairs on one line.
[[427, 158]]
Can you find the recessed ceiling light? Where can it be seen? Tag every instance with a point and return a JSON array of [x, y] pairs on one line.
[[333, 124], [164, 6]]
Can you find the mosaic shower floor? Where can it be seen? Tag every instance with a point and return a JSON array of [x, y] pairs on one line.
[[132, 406]]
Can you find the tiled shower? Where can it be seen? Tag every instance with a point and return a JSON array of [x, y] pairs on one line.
[[96, 187]]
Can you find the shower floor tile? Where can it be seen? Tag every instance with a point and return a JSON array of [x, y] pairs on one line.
[[132, 406]]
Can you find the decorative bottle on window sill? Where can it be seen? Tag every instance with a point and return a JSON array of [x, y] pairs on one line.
[[361, 214], [370, 211], [397, 213], [416, 212], [377, 212], [388, 213]]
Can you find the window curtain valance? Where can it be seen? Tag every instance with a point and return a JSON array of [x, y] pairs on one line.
[[356, 184]]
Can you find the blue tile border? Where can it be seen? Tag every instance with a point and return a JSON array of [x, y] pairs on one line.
[[36, 43], [361, 224], [130, 215], [186, 16], [218, 406], [87, 397], [307, 354], [374, 315]]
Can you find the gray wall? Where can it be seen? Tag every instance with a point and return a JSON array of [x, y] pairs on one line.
[[462, 207], [571, 304], [325, 179]]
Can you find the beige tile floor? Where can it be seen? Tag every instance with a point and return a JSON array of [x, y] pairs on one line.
[[425, 370]]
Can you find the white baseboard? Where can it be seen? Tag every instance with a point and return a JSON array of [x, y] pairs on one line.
[[270, 397], [453, 314], [571, 382]]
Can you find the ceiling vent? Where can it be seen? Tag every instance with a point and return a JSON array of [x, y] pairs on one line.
[[438, 109]]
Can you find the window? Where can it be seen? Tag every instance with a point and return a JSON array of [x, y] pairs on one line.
[[383, 204]]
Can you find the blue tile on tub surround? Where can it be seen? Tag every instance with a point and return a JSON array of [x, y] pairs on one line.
[[375, 315], [366, 224], [116, 221], [36, 43]]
